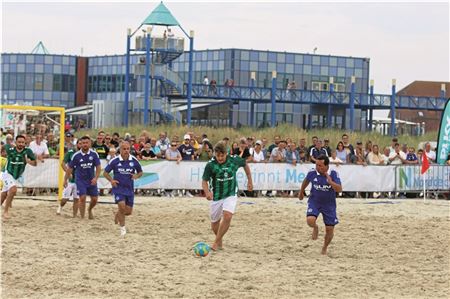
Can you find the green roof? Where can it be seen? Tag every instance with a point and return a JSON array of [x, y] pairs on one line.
[[161, 16]]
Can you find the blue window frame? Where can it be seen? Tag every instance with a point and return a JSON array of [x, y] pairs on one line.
[[332, 71], [298, 69], [262, 66], [20, 58], [341, 62], [281, 67], [316, 60], [29, 68], [307, 59], [272, 57], [290, 58], [316, 70], [358, 63], [38, 59], [348, 72], [324, 60], [254, 56], [263, 56], [333, 61], [57, 60]]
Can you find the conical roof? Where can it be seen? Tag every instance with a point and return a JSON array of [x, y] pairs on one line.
[[161, 16]]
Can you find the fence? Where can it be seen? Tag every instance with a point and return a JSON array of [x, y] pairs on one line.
[[266, 176]]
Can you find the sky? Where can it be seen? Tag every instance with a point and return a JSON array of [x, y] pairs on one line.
[[405, 40]]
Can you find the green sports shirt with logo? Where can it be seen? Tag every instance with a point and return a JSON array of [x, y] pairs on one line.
[[17, 161], [67, 158], [222, 177]]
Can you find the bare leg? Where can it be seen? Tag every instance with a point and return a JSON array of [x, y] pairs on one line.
[[92, 205], [75, 207], [121, 213], [215, 229], [311, 221], [3, 196], [223, 228], [329, 233], [9, 198], [61, 204], [82, 205]]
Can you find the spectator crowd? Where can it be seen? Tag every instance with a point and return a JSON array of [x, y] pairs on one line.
[[195, 147]]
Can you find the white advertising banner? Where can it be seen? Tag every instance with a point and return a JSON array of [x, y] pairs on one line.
[[266, 176]]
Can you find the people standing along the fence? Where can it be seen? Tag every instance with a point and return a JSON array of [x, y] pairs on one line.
[[322, 200], [86, 165], [17, 159]]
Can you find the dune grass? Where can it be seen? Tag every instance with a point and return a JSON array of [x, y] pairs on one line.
[[284, 131]]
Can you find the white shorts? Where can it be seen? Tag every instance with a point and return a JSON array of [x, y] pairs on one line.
[[216, 208], [70, 191], [8, 181]]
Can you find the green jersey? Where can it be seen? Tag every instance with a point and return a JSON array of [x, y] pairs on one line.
[[17, 161], [67, 158], [222, 177]]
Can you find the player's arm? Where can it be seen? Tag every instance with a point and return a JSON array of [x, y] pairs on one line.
[[249, 177], [31, 158], [107, 176], [98, 171], [68, 171], [305, 184], [208, 193], [335, 185]]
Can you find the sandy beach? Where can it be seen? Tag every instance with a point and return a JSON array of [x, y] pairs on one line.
[[381, 249]]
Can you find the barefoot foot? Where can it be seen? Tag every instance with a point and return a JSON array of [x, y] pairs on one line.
[[324, 251], [214, 246], [6, 216], [91, 216]]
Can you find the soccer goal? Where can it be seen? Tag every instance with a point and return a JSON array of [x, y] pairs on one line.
[[31, 121]]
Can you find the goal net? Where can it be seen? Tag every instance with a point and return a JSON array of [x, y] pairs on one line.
[[43, 127]]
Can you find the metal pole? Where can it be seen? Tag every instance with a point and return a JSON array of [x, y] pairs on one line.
[[127, 80], [393, 108], [329, 114], [147, 78], [371, 106], [252, 104], [352, 104], [272, 98], [189, 87]]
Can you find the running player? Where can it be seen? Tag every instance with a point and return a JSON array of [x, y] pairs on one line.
[[126, 169], [220, 173], [18, 157], [322, 199], [71, 190], [86, 165]]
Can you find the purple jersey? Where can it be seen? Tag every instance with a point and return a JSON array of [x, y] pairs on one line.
[[321, 191], [123, 170], [84, 164]]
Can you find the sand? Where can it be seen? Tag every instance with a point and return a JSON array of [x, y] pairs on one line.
[[396, 249]]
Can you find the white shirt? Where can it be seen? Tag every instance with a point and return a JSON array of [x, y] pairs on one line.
[[206, 81], [39, 149], [397, 160], [257, 157], [335, 160], [431, 156]]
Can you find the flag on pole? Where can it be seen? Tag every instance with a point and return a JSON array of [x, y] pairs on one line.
[[425, 163]]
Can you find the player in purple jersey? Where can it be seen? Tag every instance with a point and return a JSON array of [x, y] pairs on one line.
[[86, 165], [322, 198], [126, 169]]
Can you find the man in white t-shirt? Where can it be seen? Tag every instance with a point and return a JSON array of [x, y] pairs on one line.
[[430, 154], [257, 153], [39, 148], [397, 157]]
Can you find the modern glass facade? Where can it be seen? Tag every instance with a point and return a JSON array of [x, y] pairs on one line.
[[39, 80], [50, 80]]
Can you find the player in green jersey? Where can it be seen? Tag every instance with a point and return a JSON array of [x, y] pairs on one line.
[[221, 187], [71, 190], [18, 157]]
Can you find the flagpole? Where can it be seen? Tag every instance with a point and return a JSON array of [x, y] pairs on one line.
[[424, 187]]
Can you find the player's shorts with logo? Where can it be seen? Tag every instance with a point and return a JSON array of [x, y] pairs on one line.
[[70, 191], [85, 189], [217, 207], [8, 181], [328, 212], [129, 199]]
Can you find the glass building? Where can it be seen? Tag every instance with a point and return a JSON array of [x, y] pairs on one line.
[[69, 81]]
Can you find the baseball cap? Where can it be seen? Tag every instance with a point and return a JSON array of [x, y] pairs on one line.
[[68, 134], [187, 137], [258, 142], [359, 142]]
